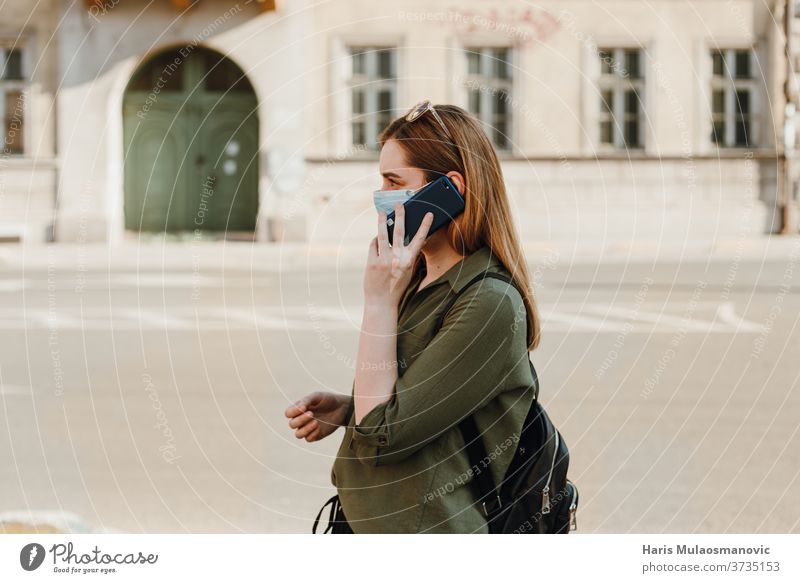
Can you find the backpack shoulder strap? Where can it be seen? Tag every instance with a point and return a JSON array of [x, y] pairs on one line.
[[481, 277], [488, 497], [455, 296], [476, 452]]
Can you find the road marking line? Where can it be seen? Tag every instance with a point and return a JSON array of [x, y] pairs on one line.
[[585, 322], [727, 313], [15, 390], [682, 323]]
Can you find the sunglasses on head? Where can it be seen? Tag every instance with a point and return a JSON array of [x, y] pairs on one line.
[[421, 108]]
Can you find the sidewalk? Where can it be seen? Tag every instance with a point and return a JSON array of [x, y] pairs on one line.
[[43, 522], [293, 256]]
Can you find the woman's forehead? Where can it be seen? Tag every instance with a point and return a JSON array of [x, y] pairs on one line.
[[393, 160]]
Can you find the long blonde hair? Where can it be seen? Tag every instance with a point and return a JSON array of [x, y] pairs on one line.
[[487, 216]]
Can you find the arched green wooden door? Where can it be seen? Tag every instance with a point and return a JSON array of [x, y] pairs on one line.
[[191, 145]]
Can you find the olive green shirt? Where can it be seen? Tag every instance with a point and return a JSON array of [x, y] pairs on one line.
[[404, 468]]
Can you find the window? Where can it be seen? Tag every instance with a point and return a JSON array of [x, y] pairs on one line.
[[621, 97], [489, 82], [373, 93], [12, 98], [732, 92]]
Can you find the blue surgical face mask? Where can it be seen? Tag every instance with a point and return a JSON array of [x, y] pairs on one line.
[[386, 199]]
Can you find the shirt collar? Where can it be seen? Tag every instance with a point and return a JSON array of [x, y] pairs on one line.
[[462, 272]]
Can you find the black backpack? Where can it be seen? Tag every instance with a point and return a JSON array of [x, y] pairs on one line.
[[535, 497]]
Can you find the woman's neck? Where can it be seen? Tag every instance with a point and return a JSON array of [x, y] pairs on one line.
[[439, 257]]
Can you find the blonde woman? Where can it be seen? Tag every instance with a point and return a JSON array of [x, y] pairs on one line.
[[402, 466]]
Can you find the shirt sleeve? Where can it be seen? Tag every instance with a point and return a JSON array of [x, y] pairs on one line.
[[458, 372], [351, 405]]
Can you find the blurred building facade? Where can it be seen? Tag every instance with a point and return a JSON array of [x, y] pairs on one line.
[[614, 120]]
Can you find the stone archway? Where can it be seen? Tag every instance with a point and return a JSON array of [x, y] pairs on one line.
[[190, 132]]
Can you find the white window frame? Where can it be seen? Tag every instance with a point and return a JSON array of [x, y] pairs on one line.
[[486, 115], [730, 85], [591, 95], [619, 85], [341, 105], [23, 85], [458, 88], [371, 84], [763, 137]]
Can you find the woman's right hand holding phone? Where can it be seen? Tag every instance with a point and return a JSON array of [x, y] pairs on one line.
[[389, 267]]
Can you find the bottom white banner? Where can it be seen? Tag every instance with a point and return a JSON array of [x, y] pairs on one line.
[[390, 558]]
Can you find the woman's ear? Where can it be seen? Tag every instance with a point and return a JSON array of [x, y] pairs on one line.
[[458, 181]]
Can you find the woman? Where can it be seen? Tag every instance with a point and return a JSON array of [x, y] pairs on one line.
[[401, 466]]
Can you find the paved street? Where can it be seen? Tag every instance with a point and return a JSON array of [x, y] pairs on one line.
[[142, 395]]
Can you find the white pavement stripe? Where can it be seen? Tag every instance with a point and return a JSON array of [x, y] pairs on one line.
[[66, 283], [254, 319], [158, 280], [51, 319], [574, 317], [68, 522], [14, 390], [12, 285], [688, 323], [149, 318], [344, 313], [727, 313], [578, 322]]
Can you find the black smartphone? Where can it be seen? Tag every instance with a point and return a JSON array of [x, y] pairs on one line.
[[440, 197]]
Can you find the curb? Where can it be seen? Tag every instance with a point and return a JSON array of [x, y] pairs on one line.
[[290, 256]]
